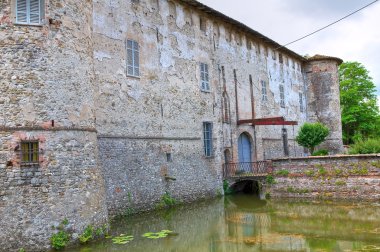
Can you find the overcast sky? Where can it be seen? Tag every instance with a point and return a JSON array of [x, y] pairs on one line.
[[356, 38]]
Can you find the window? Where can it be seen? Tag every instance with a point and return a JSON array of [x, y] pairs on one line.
[[301, 102], [29, 11], [169, 157], [207, 138], [264, 96], [29, 152], [205, 85], [133, 59], [282, 96]]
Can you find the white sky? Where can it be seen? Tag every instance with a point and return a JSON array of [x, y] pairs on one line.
[[356, 38]]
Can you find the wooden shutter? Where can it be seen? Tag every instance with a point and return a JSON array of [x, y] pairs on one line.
[[136, 58], [129, 57], [133, 58], [35, 12], [21, 11]]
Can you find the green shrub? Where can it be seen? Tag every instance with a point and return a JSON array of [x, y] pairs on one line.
[[322, 171], [340, 183], [359, 171], [311, 135], [309, 173], [297, 190], [365, 147], [166, 201], [59, 240], [284, 173], [226, 187], [270, 180], [338, 172], [321, 152], [87, 235]]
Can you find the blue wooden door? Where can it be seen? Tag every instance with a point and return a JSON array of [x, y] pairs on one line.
[[244, 148]]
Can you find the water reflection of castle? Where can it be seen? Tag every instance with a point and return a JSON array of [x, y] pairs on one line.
[[292, 226]]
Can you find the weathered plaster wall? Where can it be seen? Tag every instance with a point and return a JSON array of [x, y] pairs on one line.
[[339, 177], [323, 100], [141, 120], [47, 95]]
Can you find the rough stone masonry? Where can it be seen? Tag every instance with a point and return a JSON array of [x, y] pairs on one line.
[[108, 105]]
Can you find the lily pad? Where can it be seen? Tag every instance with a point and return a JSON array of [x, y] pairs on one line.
[[122, 239], [158, 235]]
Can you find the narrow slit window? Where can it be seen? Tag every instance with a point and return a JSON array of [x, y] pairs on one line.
[[282, 96], [202, 24], [133, 58], [205, 84], [301, 102], [226, 108], [29, 152], [264, 96], [29, 11], [207, 138]]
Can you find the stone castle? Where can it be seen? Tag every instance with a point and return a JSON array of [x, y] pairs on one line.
[[107, 105]]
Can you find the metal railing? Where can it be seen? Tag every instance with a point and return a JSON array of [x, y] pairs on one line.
[[259, 168]]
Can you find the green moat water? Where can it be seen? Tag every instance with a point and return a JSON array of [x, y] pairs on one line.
[[245, 223]]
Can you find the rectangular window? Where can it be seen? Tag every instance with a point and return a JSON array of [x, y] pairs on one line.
[[133, 58], [264, 96], [301, 102], [207, 138], [282, 96], [29, 153], [205, 85], [29, 11]]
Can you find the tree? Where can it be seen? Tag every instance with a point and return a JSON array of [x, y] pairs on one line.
[[360, 113], [311, 135]]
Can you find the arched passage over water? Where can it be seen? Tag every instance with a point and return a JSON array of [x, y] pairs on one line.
[[247, 187]]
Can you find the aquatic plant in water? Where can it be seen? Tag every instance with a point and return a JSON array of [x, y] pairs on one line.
[[122, 239], [158, 235]]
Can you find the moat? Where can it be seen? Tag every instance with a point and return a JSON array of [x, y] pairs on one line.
[[244, 223]]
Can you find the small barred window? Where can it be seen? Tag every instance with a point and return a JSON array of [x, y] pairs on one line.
[[29, 153]]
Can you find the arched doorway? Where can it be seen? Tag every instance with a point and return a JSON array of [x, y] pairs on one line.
[[245, 149]]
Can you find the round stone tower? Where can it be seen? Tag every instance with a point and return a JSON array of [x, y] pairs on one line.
[[49, 168], [323, 98]]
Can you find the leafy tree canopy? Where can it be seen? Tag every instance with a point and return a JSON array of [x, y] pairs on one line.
[[311, 135], [360, 113]]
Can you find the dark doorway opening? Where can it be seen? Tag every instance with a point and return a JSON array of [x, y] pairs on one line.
[[247, 187]]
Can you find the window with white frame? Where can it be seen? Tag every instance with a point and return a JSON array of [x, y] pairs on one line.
[[29, 11], [207, 138], [264, 96], [301, 102], [133, 58], [282, 96], [205, 84]]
